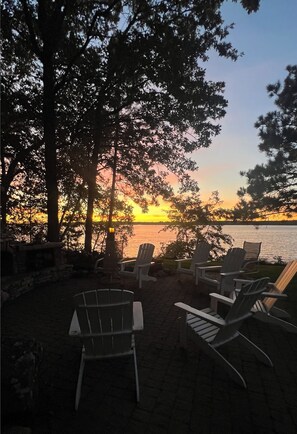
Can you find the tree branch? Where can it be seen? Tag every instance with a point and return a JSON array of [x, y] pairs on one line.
[[33, 39], [89, 36]]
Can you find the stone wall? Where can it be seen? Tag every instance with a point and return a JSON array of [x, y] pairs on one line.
[[16, 285], [26, 266]]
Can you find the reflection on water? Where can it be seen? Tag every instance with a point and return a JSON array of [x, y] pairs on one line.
[[277, 240]]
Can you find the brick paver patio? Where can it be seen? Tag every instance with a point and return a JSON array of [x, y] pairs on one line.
[[180, 391]]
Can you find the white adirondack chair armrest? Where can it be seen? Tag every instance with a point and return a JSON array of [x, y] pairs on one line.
[[210, 268], [198, 264], [74, 329], [137, 316], [124, 263], [216, 298], [221, 298], [230, 273], [213, 320], [243, 280], [145, 265], [203, 270], [180, 261], [240, 282], [128, 261], [274, 295]]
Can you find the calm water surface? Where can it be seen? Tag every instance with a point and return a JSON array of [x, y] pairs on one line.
[[277, 240]]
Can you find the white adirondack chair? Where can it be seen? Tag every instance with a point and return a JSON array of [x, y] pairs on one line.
[[105, 320], [199, 258], [264, 309], [226, 273], [251, 259], [139, 266], [210, 331]]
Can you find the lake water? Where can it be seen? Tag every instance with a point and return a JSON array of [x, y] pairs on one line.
[[277, 240]]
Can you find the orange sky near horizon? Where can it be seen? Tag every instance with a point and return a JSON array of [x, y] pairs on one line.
[[158, 213], [155, 214]]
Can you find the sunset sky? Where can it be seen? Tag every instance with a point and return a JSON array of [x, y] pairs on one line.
[[268, 40]]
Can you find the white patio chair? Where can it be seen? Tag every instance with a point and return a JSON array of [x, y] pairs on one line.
[[139, 266], [251, 259], [199, 258], [105, 320], [226, 273], [210, 331], [264, 309]]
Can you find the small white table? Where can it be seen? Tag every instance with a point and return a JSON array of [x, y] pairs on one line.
[[74, 329]]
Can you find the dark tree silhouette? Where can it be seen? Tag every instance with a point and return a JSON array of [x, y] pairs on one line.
[[141, 62], [272, 187], [153, 78]]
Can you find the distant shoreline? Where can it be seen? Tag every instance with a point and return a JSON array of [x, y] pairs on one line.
[[226, 223], [222, 223]]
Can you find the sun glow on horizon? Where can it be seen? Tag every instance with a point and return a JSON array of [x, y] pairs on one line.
[[155, 214]]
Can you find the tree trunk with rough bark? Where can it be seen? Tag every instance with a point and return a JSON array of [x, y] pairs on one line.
[[3, 209], [49, 119], [92, 187]]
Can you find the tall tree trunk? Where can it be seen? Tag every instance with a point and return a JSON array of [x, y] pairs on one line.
[[92, 187], [90, 210], [49, 119], [114, 174], [4, 198]]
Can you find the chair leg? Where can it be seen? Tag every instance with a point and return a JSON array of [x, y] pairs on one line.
[[255, 350], [136, 375], [79, 380], [233, 373], [264, 317]]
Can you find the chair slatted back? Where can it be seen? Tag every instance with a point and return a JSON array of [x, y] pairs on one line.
[[252, 250], [281, 283], [106, 319], [240, 310], [144, 256], [201, 254], [232, 262]]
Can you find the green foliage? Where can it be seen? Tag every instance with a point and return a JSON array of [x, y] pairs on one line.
[[82, 262], [272, 187], [193, 221], [176, 250]]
